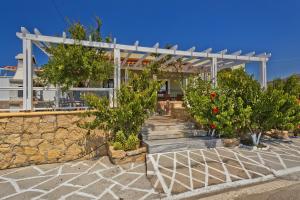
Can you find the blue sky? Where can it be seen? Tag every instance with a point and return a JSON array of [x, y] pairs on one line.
[[256, 25]]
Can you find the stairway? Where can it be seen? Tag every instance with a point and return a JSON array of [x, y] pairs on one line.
[[165, 134]]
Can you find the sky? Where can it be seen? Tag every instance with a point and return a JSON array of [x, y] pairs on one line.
[[271, 26]]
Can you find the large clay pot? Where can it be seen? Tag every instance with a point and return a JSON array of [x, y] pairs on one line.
[[281, 134], [230, 142]]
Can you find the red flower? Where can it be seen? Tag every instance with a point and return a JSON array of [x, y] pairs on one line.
[[215, 110], [213, 126], [213, 95]]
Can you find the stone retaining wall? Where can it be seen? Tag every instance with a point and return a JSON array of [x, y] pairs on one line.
[[38, 138]]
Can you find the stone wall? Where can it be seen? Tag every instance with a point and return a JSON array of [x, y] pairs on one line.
[[46, 137]]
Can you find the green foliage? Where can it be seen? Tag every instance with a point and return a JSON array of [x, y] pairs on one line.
[[239, 105], [120, 137], [240, 84], [76, 65], [276, 109], [290, 86], [118, 146], [135, 102], [127, 144], [132, 142], [197, 99]]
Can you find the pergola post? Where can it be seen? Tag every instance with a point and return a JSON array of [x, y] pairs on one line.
[[27, 75], [117, 73], [126, 76], [263, 75], [213, 72]]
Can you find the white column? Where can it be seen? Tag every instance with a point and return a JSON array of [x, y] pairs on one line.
[[27, 75], [263, 75], [117, 73], [126, 76], [213, 72]]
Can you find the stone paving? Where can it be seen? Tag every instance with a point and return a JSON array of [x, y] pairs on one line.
[[97, 179], [185, 173], [169, 175]]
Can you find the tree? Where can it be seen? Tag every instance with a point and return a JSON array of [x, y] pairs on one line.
[[135, 100], [76, 65]]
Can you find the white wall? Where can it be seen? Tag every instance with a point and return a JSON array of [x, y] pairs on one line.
[[4, 82]]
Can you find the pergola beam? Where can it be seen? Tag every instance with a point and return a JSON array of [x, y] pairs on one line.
[[175, 58], [160, 57], [129, 54], [145, 56], [52, 39]]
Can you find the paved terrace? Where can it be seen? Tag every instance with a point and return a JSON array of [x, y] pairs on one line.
[[169, 175]]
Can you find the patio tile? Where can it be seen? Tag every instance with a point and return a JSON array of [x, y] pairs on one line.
[[24, 195], [97, 188], [54, 182], [78, 197], [6, 189], [84, 179], [125, 178], [23, 173], [141, 183], [58, 192], [30, 182]]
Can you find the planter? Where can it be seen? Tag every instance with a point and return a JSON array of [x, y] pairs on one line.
[[230, 142], [121, 157], [278, 134]]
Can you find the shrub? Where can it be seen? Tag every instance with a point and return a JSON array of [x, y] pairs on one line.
[[120, 141], [118, 146], [221, 110], [135, 102], [120, 137], [238, 105], [132, 142]]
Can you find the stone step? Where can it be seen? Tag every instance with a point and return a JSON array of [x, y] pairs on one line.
[[180, 144], [167, 126], [172, 134]]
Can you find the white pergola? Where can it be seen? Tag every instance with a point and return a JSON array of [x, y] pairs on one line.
[[205, 59]]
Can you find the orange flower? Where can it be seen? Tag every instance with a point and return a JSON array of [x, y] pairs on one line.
[[213, 95], [215, 110]]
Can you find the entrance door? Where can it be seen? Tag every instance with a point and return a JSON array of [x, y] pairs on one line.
[[163, 93]]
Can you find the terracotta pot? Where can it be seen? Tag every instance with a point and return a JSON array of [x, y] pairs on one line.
[[232, 142]]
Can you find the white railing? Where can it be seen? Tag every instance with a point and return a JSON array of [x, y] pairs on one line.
[[51, 98]]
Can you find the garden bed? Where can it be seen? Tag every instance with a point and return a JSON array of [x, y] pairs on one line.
[[122, 157]]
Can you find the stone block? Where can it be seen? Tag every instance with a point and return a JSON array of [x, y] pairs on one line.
[[37, 159], [4, 120], [48, 118], [61, 133], [116, 154], [54, 154], [74, 150], [4, 148], [32, 120], [45, 147], [64, 121], [31, 127], [30, 150], [48, 136], [137, 151], [47, 127], [13, 139], [20, 160], [35, 142], [11, 127]]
